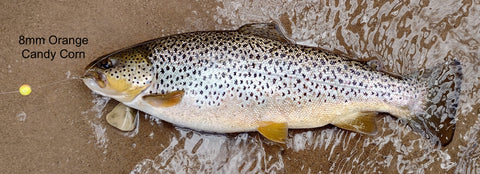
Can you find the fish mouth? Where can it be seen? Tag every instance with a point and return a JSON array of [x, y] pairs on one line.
[[95, 77]]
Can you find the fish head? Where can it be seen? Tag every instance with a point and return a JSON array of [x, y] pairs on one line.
[[121, 75]]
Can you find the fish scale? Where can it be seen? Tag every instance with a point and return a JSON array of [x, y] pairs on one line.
[[254, 79], [299, 73]]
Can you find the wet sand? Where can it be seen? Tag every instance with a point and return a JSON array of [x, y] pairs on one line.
[[60, 127]]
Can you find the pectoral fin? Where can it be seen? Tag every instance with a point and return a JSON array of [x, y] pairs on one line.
[[361, 122], [121, 117], [274, 131], [164, 100]]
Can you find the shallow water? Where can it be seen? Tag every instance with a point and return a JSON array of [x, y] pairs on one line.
[[404, 36]]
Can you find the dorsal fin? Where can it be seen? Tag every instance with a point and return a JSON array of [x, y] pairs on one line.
[[266, 30]]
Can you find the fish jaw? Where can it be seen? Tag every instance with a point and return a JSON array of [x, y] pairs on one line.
[[118, 89], [95, 81]]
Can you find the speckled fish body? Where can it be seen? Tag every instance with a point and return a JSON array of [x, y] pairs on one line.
[[236, 81], [232, 81]]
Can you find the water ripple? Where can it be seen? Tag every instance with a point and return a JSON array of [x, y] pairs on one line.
[[405, 36]]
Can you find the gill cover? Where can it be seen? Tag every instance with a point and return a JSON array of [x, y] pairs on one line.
[[121, 75]]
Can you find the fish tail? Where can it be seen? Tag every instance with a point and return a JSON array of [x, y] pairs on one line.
[[437, 120]]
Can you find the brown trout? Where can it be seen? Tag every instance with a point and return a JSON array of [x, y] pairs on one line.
[[254, 79]]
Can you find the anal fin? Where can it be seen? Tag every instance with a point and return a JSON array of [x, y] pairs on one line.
[[273, 131], [164, 100], [360, 122]]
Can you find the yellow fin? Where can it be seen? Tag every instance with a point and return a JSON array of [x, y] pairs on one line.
[[164, 100], [121, 117], [274, 131], [361, 122]]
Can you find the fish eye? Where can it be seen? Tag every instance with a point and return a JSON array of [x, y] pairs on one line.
[[107, 63]]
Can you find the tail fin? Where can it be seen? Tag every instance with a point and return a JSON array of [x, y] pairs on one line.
[[443, 90]]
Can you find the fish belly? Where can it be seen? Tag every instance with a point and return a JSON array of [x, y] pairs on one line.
[[234, 115]]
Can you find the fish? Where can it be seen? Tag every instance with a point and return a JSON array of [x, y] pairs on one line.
[[256, 79]]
